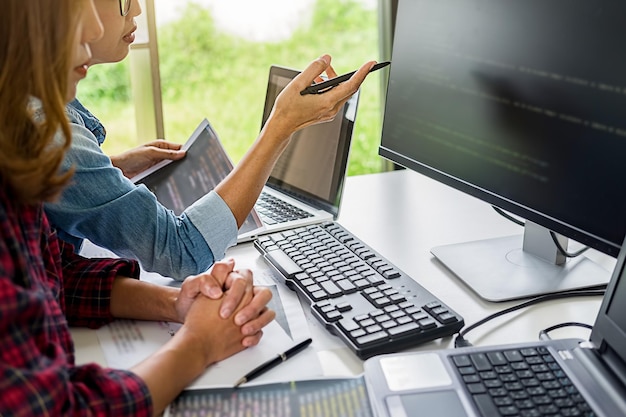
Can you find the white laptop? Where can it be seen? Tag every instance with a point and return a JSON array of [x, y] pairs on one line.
[[304, 188]]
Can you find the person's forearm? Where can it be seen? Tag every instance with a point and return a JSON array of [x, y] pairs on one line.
[[242, 187], [131, 298], [204, 339], [172, 368]]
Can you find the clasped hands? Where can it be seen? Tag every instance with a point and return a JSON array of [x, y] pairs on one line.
[[241, 301]]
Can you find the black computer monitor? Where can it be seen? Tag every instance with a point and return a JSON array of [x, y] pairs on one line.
[[523, 105]]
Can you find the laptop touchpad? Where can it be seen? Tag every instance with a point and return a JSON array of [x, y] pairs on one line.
[[417, 371], [440, 404]]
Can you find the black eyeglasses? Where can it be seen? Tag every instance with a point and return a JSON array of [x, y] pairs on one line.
[[125, 7]]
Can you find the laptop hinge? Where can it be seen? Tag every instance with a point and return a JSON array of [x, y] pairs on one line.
[[607, 371], [614, 362]]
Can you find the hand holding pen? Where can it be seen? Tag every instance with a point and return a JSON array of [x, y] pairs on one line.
[[324, 86], [280, 358]]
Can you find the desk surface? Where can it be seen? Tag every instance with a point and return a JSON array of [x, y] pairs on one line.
[[402, 215]]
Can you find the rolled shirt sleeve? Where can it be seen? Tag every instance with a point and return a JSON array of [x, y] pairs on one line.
[[88, 284]]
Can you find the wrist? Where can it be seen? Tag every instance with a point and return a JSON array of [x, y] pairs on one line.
[[276, 130], [170, 303], [195, 346]]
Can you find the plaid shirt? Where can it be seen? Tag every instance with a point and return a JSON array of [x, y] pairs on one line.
[[44, 287]]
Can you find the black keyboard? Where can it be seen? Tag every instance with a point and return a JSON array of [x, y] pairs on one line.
[[356, 293], [520, 382], [273, 210]]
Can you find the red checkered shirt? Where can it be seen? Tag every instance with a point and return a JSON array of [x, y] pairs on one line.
[[44, 288]]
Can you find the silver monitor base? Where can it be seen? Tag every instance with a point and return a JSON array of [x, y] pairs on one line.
[[499, 270]]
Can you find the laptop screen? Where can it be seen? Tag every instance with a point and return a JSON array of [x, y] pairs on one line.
[[313, 167]]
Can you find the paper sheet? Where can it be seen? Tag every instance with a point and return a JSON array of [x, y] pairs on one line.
[[127, 342]]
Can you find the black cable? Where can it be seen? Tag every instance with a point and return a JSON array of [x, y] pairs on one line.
[[543, 335], [560, 248], [508, 216], [563, 251], [460, 340]]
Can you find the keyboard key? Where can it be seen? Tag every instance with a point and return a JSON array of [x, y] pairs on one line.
[[447, 318], [478, 388], [404, 329], [346, 286], [480, 361], [513, 356], [427, 324], [348, 325], [333, 315], [485, 405], [343, 307], [283, 263], [461, 360], [331, 289], [496, 358], [372, 338]]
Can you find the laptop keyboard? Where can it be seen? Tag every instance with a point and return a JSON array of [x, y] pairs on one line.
[[356, 293], [520, 382], [273, 210]]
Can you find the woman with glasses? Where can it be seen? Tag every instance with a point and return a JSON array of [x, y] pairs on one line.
[[44, 286], [105, 207]]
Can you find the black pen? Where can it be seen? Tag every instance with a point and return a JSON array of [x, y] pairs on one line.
[[280, 358], [324, 86]]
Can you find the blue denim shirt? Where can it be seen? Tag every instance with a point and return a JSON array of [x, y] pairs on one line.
[[102, 205]]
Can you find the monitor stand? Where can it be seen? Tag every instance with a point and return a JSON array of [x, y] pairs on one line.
[[517, 267]]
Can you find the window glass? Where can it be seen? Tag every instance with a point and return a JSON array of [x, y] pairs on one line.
[[214, 60]]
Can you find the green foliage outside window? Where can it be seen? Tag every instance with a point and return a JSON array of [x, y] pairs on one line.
[[206, 73]]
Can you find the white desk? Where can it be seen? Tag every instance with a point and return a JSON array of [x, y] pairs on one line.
[[402, 215]]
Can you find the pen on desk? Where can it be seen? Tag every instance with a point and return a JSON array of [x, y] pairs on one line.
[[280, 358], [324, 86]]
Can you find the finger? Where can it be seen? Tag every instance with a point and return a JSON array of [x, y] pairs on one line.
[[314, 70], [163, 144], [211, 283], [190, 287], [210, 286], [330, 71], [253, 340], [221, 269], [205, 284], [238, 288], [343, 92], [257, 305], [348, 88], [254, 326], [243, 273], [166, 153]]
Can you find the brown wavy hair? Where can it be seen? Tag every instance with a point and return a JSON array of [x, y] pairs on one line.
[[36, 52]]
